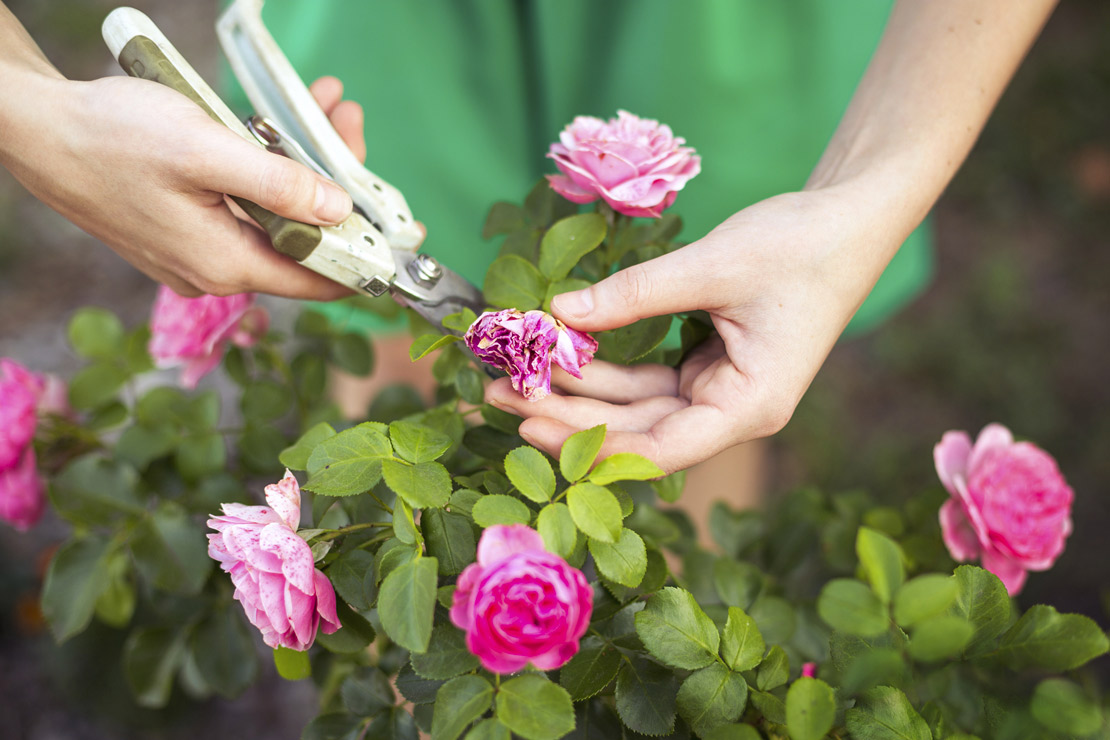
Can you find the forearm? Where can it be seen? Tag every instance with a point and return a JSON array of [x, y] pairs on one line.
[[25, 77], [931, 84]]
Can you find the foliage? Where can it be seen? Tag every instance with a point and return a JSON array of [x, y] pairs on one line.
[[683, 641]]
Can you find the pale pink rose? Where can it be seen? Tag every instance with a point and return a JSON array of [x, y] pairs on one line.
[[282, 592], [21, 492], [525, 343], [635, 164], [1010, 506], [520, 604], [193, 332]]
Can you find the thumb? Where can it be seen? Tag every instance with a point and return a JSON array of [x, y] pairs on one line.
[[276, 183], [660, 286]]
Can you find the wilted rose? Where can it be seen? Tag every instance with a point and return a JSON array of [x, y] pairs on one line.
[[21, 492], [520, 604], [193, 332], [636, 164], [1010, 506], [282, 592], [525, 343]]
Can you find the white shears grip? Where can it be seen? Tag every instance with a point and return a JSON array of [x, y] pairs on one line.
[[277, 92]]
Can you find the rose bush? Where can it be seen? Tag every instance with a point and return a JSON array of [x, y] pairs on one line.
[[1010, 506], [635, 164], [525, 343], [192, 333], [519, 604]]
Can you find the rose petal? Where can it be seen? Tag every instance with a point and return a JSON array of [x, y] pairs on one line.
[[501, 541]]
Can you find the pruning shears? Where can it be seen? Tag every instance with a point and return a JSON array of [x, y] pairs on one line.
[[374, 251]]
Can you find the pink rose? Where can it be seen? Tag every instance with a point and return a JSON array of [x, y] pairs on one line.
[[1010, 505], [809, 670], [19, 392], [284, 595], [524, 344], [521, 604], [21, 492], [193, 332], [637, 165]]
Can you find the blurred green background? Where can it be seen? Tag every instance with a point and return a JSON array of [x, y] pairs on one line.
[[1014, 329]]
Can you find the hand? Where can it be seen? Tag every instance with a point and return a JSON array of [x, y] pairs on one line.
[[146, 171], [780, 279]]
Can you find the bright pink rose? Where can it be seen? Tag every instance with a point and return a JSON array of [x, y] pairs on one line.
[[284, 595], [21, 492], [193, 332], [19, 391], [637, 165], [525, 343], [521, 604], [809, 670], [1010, 505]]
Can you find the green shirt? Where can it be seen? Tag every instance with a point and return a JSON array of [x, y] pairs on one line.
[[463, 98]]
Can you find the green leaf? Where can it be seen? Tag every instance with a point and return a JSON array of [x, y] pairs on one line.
[[423, 485], [670, 488], [116, 603], [531, 473], [567, 285], [624, 561], [93, 490], [265, 400], [407, 603], [595, 511], [353, 636], [646, 693], [568, 241], [77, 576], [770, 706], [712, 697], [884, 713], [590, 670], [774, 670], [416, 442], [352, 575], [489, 729], [96, 333], [775, 617], [292, 665], [141, 444], [923, 597], [534, 708], [425, 344], [938, 638], [556, 526], [733, 732], [849, 606], [367, 691], [810, 709], [404, 524], [470, 384], [296, 455], [352, 353], [500, 509], [636, 340], [513, 282], [199, 455], [874, 666], [544, 206], [503, 218], [1062, 706], [447, 654], [737, 583], [463, 500], [579, 452], [1043, 638], [676, 631], [981, 600], [223, 650], [450, 540], [348, 463], [882, 561], [741, 643], [310, 376], [171, 551], [459, 321], [458, 703], [151, 657], [624, 466], [336, 726], [95, 385]]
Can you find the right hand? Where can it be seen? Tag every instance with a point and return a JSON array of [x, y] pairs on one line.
[[145, 170]]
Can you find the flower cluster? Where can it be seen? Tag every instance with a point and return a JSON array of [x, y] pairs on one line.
[[520, 604], [24, 397], [193, 332], [1010, 506], [525, 343], [282, 592], [635, 164]]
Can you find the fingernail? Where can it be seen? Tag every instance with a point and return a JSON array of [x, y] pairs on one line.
[[527, 438], [578, 304], [332, 203]]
